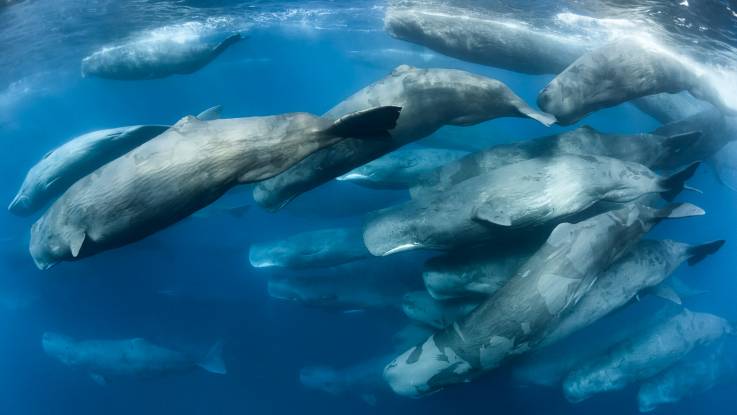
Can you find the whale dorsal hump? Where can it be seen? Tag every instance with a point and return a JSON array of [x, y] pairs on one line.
[[401, 69], [76, 240], [493, 213]]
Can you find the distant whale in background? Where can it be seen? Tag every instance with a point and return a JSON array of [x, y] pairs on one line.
[[621, 71], [645, 354], [319, 248], [80, 156], [430, 99], [180, 172], [506, 44], [155, 58], [104, 359]]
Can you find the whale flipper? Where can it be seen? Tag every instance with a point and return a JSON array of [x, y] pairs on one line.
[[212, 113], [699, 252], [369, 123], [226, 44], [675, 183], [76, 240], [213, 361], [666, 292]]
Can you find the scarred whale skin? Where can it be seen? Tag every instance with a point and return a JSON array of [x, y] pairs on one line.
[[504, 44], [517, 317], [154, 58], [623, 70], [137, 357], [430, 99], [525, 195], [320, 248], [656, 151], [181, 171], [647, 265], [645, 354], [697, 373]]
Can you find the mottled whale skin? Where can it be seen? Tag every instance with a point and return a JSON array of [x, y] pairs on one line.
[[104, 359], [517, 317], [421, 307], [358, 285], [475, 272], [698, 372], [645, 267], [155, 58], [651, 150], [645, 355], [430, 99], [401, 169], [618, 72], [181, 171], [320, 248], [80, 156], [525, 195], [505, 44]]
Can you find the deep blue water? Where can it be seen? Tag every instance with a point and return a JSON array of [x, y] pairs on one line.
[[296, 58]]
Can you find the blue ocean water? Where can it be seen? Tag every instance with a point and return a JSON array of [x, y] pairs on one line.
[[191, 284]]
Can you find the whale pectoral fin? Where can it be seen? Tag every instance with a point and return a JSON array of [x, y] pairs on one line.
[[494, 214], [212, 113], [99, 379], [227, 43], [369, 123], [665, 292], [76, 240]]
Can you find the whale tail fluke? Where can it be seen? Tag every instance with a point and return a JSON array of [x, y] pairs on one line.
[[678, 210], [672, 185], [370, 123], [213, 361], [698, 252]]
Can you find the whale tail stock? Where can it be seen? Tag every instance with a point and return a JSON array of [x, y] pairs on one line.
[[672, 185], [698, 252], [370, 123], [213, 360]]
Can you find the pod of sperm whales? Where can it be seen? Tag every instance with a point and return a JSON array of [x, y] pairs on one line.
[[155, 57], [517, 317], [104, 359], [430, 99], [181, 171], [644, 269], [474, 272], [506, 44], [80, 156], [618, 72], [525, 195], [645, 355], [321, 248], [368, 284], [698, 372], [401, 169], [652, 150], [419, 306]]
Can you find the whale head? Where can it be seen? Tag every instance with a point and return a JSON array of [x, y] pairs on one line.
[[59, 347], [321, 378]]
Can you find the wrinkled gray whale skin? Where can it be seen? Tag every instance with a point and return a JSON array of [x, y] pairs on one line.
[[146, 59], [619, 72], [502, 44], [645, 355], [419, 306], [698, 372], [517, 317], [80, 156], [400, 169], [181, 171], [667, 108], [321, 248], [104, 359], [430, 99], [476, 272], [525, 195], [652, 150], [644, 268]]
